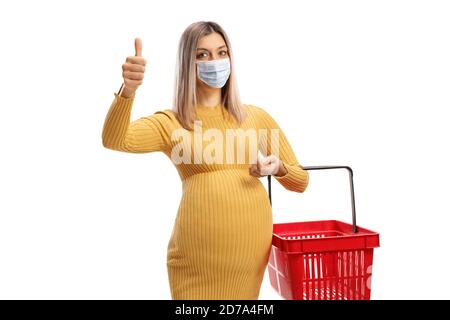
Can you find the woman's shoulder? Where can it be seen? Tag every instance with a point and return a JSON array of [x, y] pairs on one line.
[[262, 116], [163, 118], [250, 106], [255, 110], [165, 112], [167, 115]]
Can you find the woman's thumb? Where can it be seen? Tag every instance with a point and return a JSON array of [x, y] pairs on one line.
[[261, 158], [138, 47]]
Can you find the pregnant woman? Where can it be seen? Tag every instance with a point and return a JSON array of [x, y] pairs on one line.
[[221, 238]]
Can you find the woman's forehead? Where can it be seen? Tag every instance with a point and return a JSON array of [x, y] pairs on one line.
[[211, 41]]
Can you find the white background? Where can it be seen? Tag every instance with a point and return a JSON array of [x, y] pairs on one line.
[[360, 83]]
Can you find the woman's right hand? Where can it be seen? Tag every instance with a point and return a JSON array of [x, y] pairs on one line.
[[133, 70]]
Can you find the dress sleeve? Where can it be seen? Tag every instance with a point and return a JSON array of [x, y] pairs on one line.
[[146, 134], [296, 179]]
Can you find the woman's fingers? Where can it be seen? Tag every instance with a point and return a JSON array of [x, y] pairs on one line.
[[253, 170], [264, 166], [133, 67], [133, 75], [271, 158], [136, 60]]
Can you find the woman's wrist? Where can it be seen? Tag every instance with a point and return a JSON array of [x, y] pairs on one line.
[[125, 92], [281, 170]]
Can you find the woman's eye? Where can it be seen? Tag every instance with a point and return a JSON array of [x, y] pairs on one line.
[[204, 54]]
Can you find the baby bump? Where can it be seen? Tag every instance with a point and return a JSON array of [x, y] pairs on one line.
[[225, 212], [223, 195]]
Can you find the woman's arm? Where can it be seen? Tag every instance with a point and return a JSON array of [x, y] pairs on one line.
[[291, 175], [146, 134]]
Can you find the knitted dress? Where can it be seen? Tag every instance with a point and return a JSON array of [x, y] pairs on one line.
[[221, 238]]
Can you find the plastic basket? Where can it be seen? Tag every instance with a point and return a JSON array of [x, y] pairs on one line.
[[322, 260]]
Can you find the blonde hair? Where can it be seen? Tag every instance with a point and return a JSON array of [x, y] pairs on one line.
[[185, 88]]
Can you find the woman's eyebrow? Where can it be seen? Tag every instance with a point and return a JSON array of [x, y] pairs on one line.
[[208, 50]]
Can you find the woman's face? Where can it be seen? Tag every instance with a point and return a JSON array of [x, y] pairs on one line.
[[210, 47]]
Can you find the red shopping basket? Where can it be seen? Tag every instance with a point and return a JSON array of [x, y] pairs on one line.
[[322, 260]]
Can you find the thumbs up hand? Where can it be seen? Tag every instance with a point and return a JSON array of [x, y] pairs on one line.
[[269, 165], [133, 69]]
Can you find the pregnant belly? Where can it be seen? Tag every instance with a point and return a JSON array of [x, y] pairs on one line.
[[223, 196], [222, 212]]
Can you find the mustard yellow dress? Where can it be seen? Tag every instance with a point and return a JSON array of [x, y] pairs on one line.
[[221, 238]]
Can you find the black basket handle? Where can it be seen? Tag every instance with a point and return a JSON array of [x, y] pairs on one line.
[[352, 190]]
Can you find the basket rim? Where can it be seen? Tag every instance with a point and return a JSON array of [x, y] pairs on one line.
[[362, 231], [347, 240]]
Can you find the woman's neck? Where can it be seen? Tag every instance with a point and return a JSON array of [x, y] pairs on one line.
[[209, 97]]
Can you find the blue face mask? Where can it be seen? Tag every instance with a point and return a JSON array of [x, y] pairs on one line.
[[214, 73]]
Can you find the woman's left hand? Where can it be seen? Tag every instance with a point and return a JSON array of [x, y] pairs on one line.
[[269, 165]]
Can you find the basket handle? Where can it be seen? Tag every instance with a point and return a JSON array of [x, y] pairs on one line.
[[352, 190]]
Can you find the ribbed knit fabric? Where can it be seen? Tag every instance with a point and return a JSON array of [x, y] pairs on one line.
[[221, 238]]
